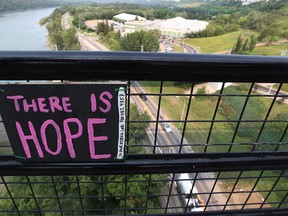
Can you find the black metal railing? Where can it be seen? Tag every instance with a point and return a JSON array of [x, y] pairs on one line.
[[205, 135]]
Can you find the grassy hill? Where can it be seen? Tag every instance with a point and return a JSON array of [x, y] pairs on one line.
[[214, 44], [222, 44]]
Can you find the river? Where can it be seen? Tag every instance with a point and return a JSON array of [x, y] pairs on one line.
[[20, 30]]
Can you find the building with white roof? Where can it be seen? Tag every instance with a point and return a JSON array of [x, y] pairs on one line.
[[178, 26], [175, 27], [247, 2], [124, 17]]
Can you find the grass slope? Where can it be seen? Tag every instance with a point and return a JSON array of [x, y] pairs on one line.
[[214, 44]]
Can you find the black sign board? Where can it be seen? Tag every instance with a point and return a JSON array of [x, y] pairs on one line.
[[64, 122]]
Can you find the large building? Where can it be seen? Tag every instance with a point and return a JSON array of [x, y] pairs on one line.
[[247, 2], [124, 17], [178, 26], [175, 27]]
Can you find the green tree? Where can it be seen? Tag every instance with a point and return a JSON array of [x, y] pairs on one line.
[[238, 46], [245, 46], [201, 91], [27, 4], [70, 40], [63, 39], [164, 13], [253, 42], [113, 35], [138, 40], [137, 129], [156, 32], [249, 45], [272, 133], [103, 27], [231, 108], [99, 191]]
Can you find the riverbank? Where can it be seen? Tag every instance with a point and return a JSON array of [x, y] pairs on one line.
[[49, 44]]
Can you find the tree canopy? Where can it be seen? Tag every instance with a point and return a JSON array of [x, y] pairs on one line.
[[76, 195], [62, 39], [27, 4], [140, 40]]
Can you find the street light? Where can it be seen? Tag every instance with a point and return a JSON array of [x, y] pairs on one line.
[[272, 84], [183, 44], [182, 114]]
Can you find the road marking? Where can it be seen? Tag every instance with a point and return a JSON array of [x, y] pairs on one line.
[[159, 128], [168, 142], [155, 140]]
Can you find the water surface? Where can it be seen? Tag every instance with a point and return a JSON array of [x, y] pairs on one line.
[[20, 30]]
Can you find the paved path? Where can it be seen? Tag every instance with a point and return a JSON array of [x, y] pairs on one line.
[[90, 43], [66, 21], [187, 48], [86, 42]]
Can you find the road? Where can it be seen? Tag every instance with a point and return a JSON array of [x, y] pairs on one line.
[[163, 139], [167, 142], [86, 42], [89, 43], [187, 48], [264, 89], [66, 21]]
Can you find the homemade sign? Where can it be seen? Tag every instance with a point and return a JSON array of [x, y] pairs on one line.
[[64, 122]]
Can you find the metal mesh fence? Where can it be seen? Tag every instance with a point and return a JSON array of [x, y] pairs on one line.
[[144, 194], [211, 148]]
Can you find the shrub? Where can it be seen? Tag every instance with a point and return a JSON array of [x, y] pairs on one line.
[[231, 108], [200, 97]]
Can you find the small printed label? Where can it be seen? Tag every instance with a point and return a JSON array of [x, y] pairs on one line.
[[122, 120]]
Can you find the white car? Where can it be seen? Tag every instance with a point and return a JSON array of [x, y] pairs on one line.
[[167, 127]]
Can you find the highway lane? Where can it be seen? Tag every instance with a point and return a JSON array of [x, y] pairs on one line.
[[86, 42], [66, 21], [162, 138], [89, 43], [205, 185], [263, 89], [172, 138], [174, 202], [187, 48]]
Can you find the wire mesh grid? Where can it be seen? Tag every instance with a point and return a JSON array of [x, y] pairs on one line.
[[213, 117], [173, 118], [143, 194], [213, 147]]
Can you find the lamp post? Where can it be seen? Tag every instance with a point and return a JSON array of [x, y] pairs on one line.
[[184, 104], [183, 44], [272, 84]]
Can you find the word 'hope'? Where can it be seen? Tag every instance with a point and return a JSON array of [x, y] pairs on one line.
[[69, 137]]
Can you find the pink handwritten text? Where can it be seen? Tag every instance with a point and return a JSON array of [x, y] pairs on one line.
[[69, 137]]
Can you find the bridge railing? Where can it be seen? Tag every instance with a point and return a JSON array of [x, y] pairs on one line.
[[222, 149]]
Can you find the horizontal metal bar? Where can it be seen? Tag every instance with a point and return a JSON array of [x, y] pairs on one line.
[[69, 65], [262, 212], [165, 163]]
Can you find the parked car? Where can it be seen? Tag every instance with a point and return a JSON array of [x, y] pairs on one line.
[[169, 49], [167, 127], [143, 96]]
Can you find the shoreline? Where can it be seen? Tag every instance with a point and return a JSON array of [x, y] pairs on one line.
[[50, 45]]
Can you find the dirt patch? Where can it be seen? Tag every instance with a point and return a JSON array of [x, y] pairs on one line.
[[244, 197], [93, 23], [209, 89]]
